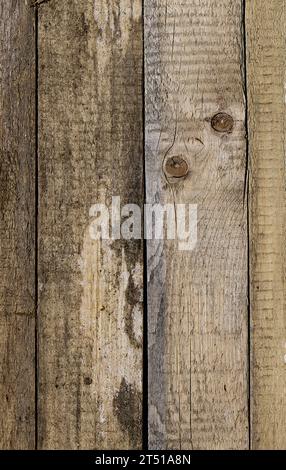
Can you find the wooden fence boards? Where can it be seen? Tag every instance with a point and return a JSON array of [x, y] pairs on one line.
[[197, 300], [17, 225], [265, 22], [90, 299], [72, 82]]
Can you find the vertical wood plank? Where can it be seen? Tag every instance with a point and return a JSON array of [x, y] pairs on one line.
[[90, 140], [266, 38], [197, 300], [17, 225]]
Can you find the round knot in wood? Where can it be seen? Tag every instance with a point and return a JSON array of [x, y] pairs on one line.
[[222, 122], [176, 167]]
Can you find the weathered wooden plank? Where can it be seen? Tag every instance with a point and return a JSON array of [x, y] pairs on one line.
[[17, 225], [90, 141], [266, 37], [197, 300]]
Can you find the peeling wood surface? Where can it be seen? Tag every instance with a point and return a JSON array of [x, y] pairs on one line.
[[90, 292], [197, 300], [17, 225], [267, 91]]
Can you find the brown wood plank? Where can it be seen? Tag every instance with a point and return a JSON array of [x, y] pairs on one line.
[[90, 148], [17, 225], [197, 300], [266, 37]]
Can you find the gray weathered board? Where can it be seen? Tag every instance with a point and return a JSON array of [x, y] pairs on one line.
[[90, 292], [85, 86], [197, 300], [17, 225], [266, 65]]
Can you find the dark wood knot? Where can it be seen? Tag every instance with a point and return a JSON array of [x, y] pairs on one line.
[[222, 122], [176, 167]]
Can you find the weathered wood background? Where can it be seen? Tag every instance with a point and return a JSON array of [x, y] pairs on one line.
[[85, 87]]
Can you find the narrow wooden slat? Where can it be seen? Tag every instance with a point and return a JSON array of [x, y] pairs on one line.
[[197, 300], [266, 38], [90, 141], [17, 225]]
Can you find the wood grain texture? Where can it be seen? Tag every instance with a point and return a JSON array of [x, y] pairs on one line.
[[17, 225], [197, 300], [266, 37], [90, 313]]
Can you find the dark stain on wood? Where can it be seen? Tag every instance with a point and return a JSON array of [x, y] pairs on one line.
[[127, 409]]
